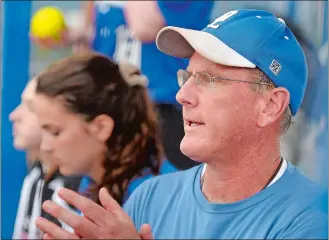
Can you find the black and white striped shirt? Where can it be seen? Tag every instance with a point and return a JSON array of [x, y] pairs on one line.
[[34, 192]]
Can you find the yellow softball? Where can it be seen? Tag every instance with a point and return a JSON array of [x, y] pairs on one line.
[[47, 22]]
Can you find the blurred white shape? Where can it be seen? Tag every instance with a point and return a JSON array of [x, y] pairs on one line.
[[310, 152], [76, 24], [323, 54], [290, 142], [104, 6], [281, 20]]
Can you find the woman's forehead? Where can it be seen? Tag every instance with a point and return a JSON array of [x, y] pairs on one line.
[[30, 88], [48, 105], [53, 110]]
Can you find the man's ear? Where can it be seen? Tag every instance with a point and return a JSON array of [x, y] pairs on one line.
[[276, 102], [101, 127]]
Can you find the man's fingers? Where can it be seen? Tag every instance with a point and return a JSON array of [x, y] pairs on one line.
[[53, 230], [109, 203], [81, 225], [146, 232], [47, 236], [89, 208]]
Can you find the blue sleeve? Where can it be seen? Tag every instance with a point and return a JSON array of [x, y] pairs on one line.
[[310, 232], [167, 167], [311, 224], [135, 204], [136, 182], [186, 14], [131, 208]]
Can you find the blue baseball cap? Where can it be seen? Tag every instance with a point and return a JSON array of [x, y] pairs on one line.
[[245, 38]]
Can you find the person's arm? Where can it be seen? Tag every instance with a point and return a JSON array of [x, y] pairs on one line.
[[89, 13], [146, 18], [310, 224], [138, 200], [310, 232], [82, 40]]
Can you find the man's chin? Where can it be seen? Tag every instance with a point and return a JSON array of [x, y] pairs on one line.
[[191, 149]]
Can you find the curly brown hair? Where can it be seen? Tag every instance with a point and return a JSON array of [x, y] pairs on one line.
[[91, 84]]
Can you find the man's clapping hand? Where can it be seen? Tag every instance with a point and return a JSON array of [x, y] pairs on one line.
[[107, 222]]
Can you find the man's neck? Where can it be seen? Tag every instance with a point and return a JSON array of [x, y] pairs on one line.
[[242, 175]]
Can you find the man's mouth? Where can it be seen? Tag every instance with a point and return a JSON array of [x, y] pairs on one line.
[[194, 124]]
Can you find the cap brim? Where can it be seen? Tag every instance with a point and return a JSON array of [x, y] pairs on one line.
[[181, 42]]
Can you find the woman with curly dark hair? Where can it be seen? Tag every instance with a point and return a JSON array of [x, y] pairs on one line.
[[98, 121]]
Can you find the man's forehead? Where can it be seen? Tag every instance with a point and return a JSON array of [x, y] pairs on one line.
[[199, 63]]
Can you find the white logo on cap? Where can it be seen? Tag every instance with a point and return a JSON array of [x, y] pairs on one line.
[[222, 18], [275, 67], [281, 20]]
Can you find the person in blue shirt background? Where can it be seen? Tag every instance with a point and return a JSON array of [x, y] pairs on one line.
[[246, 78], [126, 31]]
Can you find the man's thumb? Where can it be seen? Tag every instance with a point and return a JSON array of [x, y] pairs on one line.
[[146, 232]]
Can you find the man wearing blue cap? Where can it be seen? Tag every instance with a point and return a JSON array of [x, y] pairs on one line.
[[246, 78]]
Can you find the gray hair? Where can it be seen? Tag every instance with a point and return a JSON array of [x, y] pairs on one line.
[[263, 78]]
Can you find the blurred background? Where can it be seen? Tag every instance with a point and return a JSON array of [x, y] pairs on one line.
[[305, 145]]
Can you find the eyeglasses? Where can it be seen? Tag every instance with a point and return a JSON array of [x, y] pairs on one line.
[[205, 79]]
